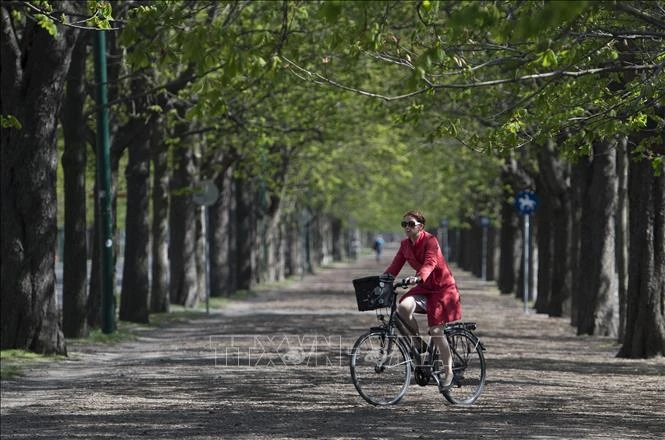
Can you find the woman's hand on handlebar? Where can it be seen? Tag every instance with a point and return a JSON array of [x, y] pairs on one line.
[[408, 281]]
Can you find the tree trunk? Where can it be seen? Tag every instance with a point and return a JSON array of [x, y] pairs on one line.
[[273, 243], [598, 308], [645, 313], [75, 261], [578, 189], [322, 239], [94, 302], [553, 232], [545, 245], [510, 244], [182, 220], [260, 242], [280, 250], [159, 290], [621, 220], [244, 232], [645, 298], [34, 69], [293, 251], [467, 249], [338, 240], [562, 278], [221, 278], [135, 276]]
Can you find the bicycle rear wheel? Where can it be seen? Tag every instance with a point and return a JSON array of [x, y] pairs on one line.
[[380, 368], [468, 368]]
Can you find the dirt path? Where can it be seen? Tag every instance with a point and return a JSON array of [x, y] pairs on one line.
[[276, 366]]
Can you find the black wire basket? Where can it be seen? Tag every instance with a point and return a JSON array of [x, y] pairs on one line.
[[373, 292]]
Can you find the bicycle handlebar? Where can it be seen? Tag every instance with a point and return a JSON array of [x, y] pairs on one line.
[[403, 283]]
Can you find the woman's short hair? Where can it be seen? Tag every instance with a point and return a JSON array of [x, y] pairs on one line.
[[415, 214]]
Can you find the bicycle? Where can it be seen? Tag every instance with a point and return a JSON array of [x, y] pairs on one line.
[[383, 359]]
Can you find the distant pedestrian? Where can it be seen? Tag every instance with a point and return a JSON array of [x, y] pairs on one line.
[[378, 247]]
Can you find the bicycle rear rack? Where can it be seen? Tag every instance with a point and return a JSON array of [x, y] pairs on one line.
[[461, 325]]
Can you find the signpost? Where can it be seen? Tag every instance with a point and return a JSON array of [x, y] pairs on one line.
[[206, 195], [526, 203]]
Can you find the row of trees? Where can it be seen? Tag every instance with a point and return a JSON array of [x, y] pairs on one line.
[[318, 119]]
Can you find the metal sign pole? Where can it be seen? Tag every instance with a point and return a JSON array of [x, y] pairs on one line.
[[526, 203], [527, 240], [206, 195], [204, 232], [104, 187]]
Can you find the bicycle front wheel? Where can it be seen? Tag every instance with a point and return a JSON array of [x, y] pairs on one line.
[[468, 368], [380, 368]]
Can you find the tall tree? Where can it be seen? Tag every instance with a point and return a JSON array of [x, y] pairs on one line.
[[622, 231], [134, 296], [159, 288], [182, 223], [554, 264], [35, 59], [598, 309], [74, 157], [645, 314], [222, 280], [245, 251]]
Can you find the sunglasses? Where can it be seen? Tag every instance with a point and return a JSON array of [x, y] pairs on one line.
[[410, 224]]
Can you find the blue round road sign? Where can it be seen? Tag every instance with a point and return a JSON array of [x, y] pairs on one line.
[[526, 202]]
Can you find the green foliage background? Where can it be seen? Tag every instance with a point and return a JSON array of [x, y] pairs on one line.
[[367, 109]]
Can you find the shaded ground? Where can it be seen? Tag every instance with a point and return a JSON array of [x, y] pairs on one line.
[[275, 366]]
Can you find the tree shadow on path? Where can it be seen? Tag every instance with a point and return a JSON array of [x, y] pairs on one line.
[[276, 366]]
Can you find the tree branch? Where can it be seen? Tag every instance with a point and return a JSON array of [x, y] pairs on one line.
[[317, 78], [555, 74], [624, 7], [10, 42], [76, 25]]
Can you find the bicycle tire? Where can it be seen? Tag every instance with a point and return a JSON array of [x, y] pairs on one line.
[[380, 383], [468, 368]]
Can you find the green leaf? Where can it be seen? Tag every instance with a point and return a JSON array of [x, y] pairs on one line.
[[549, 58], [657, 164], [47, 24], [102, 13], [638, 120], [10, 121]]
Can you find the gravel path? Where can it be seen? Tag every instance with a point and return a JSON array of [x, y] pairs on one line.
[[275, 366]]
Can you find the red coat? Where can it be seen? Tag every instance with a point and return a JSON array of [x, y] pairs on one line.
[[425, 257]]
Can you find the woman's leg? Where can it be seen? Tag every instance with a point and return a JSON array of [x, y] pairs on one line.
[[441, 343], [405, 309]]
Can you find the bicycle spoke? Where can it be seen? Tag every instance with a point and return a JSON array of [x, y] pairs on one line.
[[380, 368], [468, 368]]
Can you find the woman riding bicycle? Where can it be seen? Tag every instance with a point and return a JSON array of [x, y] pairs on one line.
[[436, 291]]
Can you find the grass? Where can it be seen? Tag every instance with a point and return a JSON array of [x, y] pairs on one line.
[[124, 332], [176, 314], [14, 362]]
